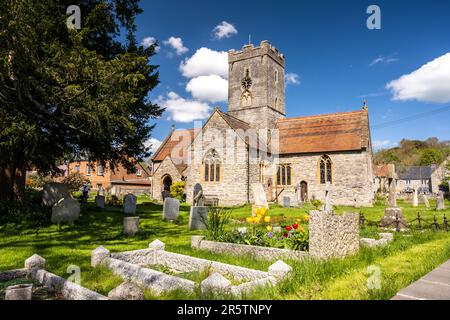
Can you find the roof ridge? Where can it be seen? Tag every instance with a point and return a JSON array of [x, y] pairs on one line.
[[320, 115], [229, 115]]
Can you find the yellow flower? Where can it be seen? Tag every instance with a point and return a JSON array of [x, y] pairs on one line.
[[269, 228], [302, 229], [263, 210], [250, 220], [267, 219], [306, 217], [257, 211], [299, 220], [257, 219]]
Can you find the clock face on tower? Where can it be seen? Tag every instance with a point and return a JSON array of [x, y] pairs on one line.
[[246, 81]]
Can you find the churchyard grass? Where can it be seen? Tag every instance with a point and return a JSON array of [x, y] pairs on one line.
[[409, 257]]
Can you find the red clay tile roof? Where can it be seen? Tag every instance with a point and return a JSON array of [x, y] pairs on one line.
[[381, 170], [182, 137], [346, 131]]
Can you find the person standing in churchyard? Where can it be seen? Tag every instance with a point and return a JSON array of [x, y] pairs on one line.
[[85, 191]]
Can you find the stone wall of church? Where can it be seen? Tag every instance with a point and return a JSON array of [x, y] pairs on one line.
[[166, 167], [352, 178], [232, 189], [258, 117]]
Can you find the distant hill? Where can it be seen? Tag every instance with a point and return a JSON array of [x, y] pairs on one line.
[[414, 153]]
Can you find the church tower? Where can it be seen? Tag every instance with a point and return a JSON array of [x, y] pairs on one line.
[[256, 85]]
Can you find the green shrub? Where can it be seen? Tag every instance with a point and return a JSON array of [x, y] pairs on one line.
[[36, 180], [317, 204], [75, 181], [177, 190]]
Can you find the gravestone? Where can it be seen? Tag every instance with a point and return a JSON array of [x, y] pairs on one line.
[[67, 210], [171, 209], [198, 218], [129, 204], [425, 200], [415, 201], [130, 225], [53, 192], [259, 195], [199, 198], [440, 201], [392, 201], [100, 201], [286, 202], [19, 292], [393, 217], [165, 194], [101, 191], [328, 206]]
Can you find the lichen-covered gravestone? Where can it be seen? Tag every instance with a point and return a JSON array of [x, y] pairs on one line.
[[19, 292], [171, 209], [440, 201], [393, 216], [100, 201], [130, 225], [53, 192], [129, 204], [67, 210], [286, 202], [198, 218]]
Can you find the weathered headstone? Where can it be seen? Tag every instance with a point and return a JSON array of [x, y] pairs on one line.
[[393, 219], [19, 292], [100, 201], [199, 198], [126, 291], [328, 206], [130, 225], [53, 192], [198, 218], [129, 204], [425, 200], [259, 195], [286, 202], [392, 193], [67, 210], [440, 201], [332, 235], [165, 194], [415, 201], [171, 209]]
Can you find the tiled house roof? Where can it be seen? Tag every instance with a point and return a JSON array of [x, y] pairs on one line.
[[346, 131], [415, 173], [381, 170]]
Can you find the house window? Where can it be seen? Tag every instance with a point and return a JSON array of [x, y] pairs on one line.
[[212, 167], [262, 170], [100, 170], [325, 169], [138, 172], [88, 170], [77, 168], [284, 175]]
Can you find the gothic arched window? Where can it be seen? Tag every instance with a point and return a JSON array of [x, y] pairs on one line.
[[246, 99], [211, 166], [276, 103], [325, 169]]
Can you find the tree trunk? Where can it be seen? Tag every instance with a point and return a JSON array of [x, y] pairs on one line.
[[6, 183], [12, 179]]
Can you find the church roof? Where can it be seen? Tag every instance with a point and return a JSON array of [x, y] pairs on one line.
[[415, 173], [184, 137], [344, 131]]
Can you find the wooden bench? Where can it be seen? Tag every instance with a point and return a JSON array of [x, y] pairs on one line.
[[211, 200]]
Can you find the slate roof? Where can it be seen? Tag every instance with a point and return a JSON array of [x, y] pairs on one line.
[[415, 173], [344, 131]]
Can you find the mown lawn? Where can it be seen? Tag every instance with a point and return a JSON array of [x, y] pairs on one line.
[[410, 256]]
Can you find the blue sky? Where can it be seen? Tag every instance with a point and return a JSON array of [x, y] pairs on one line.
[[336, 59]]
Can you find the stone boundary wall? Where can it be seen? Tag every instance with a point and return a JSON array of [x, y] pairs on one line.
[[332, 235], [257, 252], [69, 290], [156, 281]]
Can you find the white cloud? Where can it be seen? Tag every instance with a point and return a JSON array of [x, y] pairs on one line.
[[153, 144], [148, 41], [205, 62], [429, 83], [292, 78], [177, 44], [224, 30], [383, 60], [212, 88], [381, 144], [184, 110]]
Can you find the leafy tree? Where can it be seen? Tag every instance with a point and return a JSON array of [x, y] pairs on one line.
[[431, 156], [75, 181], [71, 93]]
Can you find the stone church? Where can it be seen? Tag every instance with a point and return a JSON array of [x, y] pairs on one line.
[[253, 142]]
